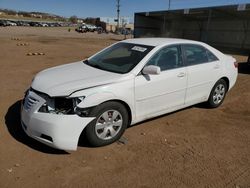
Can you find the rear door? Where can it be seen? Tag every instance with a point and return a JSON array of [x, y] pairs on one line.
[[203, 69]]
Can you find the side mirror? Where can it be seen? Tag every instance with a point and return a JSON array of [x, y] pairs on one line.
[[151, 69]]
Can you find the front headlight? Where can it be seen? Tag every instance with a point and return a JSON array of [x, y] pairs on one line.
[[78, 100], [61, 105], [83, 112]]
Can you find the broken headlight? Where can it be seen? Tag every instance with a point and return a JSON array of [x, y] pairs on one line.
[[58, 105], [62, 105], [77, 100], [83, 112]]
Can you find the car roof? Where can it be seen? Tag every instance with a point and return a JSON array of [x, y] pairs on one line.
[[159, 41]]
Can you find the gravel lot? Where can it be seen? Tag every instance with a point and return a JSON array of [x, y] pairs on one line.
[[194, 147]]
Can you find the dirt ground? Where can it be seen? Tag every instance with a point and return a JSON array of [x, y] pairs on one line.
[[194, 147]]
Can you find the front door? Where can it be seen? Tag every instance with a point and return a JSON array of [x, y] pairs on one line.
[[157, 93]]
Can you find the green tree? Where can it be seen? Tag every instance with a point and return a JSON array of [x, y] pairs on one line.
[[73, 19]]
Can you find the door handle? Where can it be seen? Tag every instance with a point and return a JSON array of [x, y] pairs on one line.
[[216, 66], [182, 74]]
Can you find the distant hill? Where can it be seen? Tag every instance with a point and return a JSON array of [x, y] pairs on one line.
[[7, 13]]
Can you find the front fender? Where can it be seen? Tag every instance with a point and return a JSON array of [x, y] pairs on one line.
[[96, 99]]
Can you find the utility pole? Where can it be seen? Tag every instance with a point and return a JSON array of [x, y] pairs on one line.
[[164, 18], [118, 13]]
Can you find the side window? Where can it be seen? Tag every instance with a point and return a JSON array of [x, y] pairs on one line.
[[211, 56], [167, 58], [195, 54]]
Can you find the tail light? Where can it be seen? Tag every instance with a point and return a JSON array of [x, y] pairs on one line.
[[235, 64]]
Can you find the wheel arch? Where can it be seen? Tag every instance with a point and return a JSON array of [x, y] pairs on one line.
[[125, 105], [85, 135], [226, 80]]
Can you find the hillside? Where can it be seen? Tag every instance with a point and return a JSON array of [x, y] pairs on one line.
[[12, 14]]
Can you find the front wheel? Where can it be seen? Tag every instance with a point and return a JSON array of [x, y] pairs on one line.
[[217, 94], [109, 125]]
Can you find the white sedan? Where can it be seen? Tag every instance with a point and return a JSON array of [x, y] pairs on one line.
[[128, 82]]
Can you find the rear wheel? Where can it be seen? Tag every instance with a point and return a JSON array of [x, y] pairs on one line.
[[109, 125], [217, 94]]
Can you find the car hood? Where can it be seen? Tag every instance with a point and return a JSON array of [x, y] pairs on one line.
[[66, 79]]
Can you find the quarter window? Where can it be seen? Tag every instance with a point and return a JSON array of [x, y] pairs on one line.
[[167, 58], [211, 56]]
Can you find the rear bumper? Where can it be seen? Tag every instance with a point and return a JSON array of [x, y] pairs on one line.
[[233, 78], [58, 131]]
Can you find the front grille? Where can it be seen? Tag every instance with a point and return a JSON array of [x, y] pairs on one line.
[[29, 102]]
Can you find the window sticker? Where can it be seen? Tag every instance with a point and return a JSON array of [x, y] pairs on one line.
[[139, 49]]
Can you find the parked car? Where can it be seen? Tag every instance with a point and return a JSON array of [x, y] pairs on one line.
[[44, 25], [9, 23], [26, 24], [19, 23], [3, 23], [82, 29], [126, 83], [100, 30], [34, 24], [91, 28], [22, 23], [51, 24]]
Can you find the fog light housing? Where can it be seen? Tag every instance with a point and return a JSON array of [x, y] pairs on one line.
[[82, 112]]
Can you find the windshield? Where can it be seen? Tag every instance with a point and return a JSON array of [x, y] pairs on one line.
[[120, 58]]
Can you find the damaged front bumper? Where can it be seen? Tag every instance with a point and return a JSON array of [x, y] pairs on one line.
[[56, 130]]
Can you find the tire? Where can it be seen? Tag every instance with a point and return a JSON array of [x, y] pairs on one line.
[[217, 94], [109, 125]]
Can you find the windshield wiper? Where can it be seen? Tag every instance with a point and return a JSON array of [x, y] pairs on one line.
[[97, 66], [86, 61], [92, 65]]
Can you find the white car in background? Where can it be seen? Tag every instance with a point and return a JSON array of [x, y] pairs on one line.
[[91, 28], [44, 25], [128, 82], [9, 23]]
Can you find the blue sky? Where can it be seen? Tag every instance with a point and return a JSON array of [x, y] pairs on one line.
[[103, 8]]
